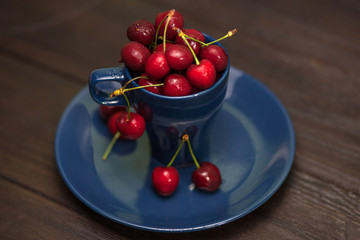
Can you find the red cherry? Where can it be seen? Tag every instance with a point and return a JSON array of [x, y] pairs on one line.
[[216, 55], [179, 57], [131, 128], [165, 180], [111, 123], [135, 55], [146, 82], [176, 85], [144, 109], [207, 177], [201, 76], [176, 21], [160, 47], [141, 31], [106, 111], [194, 34], [156, 66]]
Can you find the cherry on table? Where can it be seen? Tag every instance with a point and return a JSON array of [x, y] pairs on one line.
[[216, 55], [207, 177], [141, 31], [201, 76], [135, 55], [165, 180]]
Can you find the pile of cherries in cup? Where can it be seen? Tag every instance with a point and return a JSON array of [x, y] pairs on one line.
[[166, 59]]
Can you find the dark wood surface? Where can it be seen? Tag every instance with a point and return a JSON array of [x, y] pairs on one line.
[[307, 52]]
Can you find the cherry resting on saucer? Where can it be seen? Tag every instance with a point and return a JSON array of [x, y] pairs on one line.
[[131, 128], [165, 180], [207, 177]]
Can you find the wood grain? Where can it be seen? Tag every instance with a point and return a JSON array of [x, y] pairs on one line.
[[306, 52]]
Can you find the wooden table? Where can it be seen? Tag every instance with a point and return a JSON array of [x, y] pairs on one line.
[[306, 52]]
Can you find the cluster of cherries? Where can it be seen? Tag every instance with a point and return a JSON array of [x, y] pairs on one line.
[[170, 68], [167, 53], [127, 125]]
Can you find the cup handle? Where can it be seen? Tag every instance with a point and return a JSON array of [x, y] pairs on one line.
[[104, 81]]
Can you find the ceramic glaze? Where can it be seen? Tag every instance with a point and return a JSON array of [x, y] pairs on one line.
[[252, 143], [168, 118]]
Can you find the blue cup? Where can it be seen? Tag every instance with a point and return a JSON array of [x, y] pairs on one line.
[[167, 118]]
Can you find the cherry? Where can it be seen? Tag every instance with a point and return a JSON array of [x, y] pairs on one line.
[[156, 66], [106, 111], [176, 21], [135, 55], [172, 134], [179, 57], [176, 85], [202, 75], [141, 31], [165, 180], [111, 123], [216, 55], [207, 177], [130, 125], [145, 110], [160, 47], [196, 46], [146, 82]]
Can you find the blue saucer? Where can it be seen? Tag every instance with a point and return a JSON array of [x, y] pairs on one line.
[[253, 144]]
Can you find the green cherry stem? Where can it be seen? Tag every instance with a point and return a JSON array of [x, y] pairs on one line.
[[111, 145], [229, 34], [194, 39], [182, 35], [121, 90], [145, 86], [191, 151], [131, 80], [176, 153], [170, 14], [157, 31], [128, 104]]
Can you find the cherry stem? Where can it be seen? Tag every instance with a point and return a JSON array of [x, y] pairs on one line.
[[128, 104], [157, 31], [121, 90], [131, 80], [170, 14], [111, 145], [145, 86], [192, 153], [176, 153], [182, 35], [229, 34], [194, 39]]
